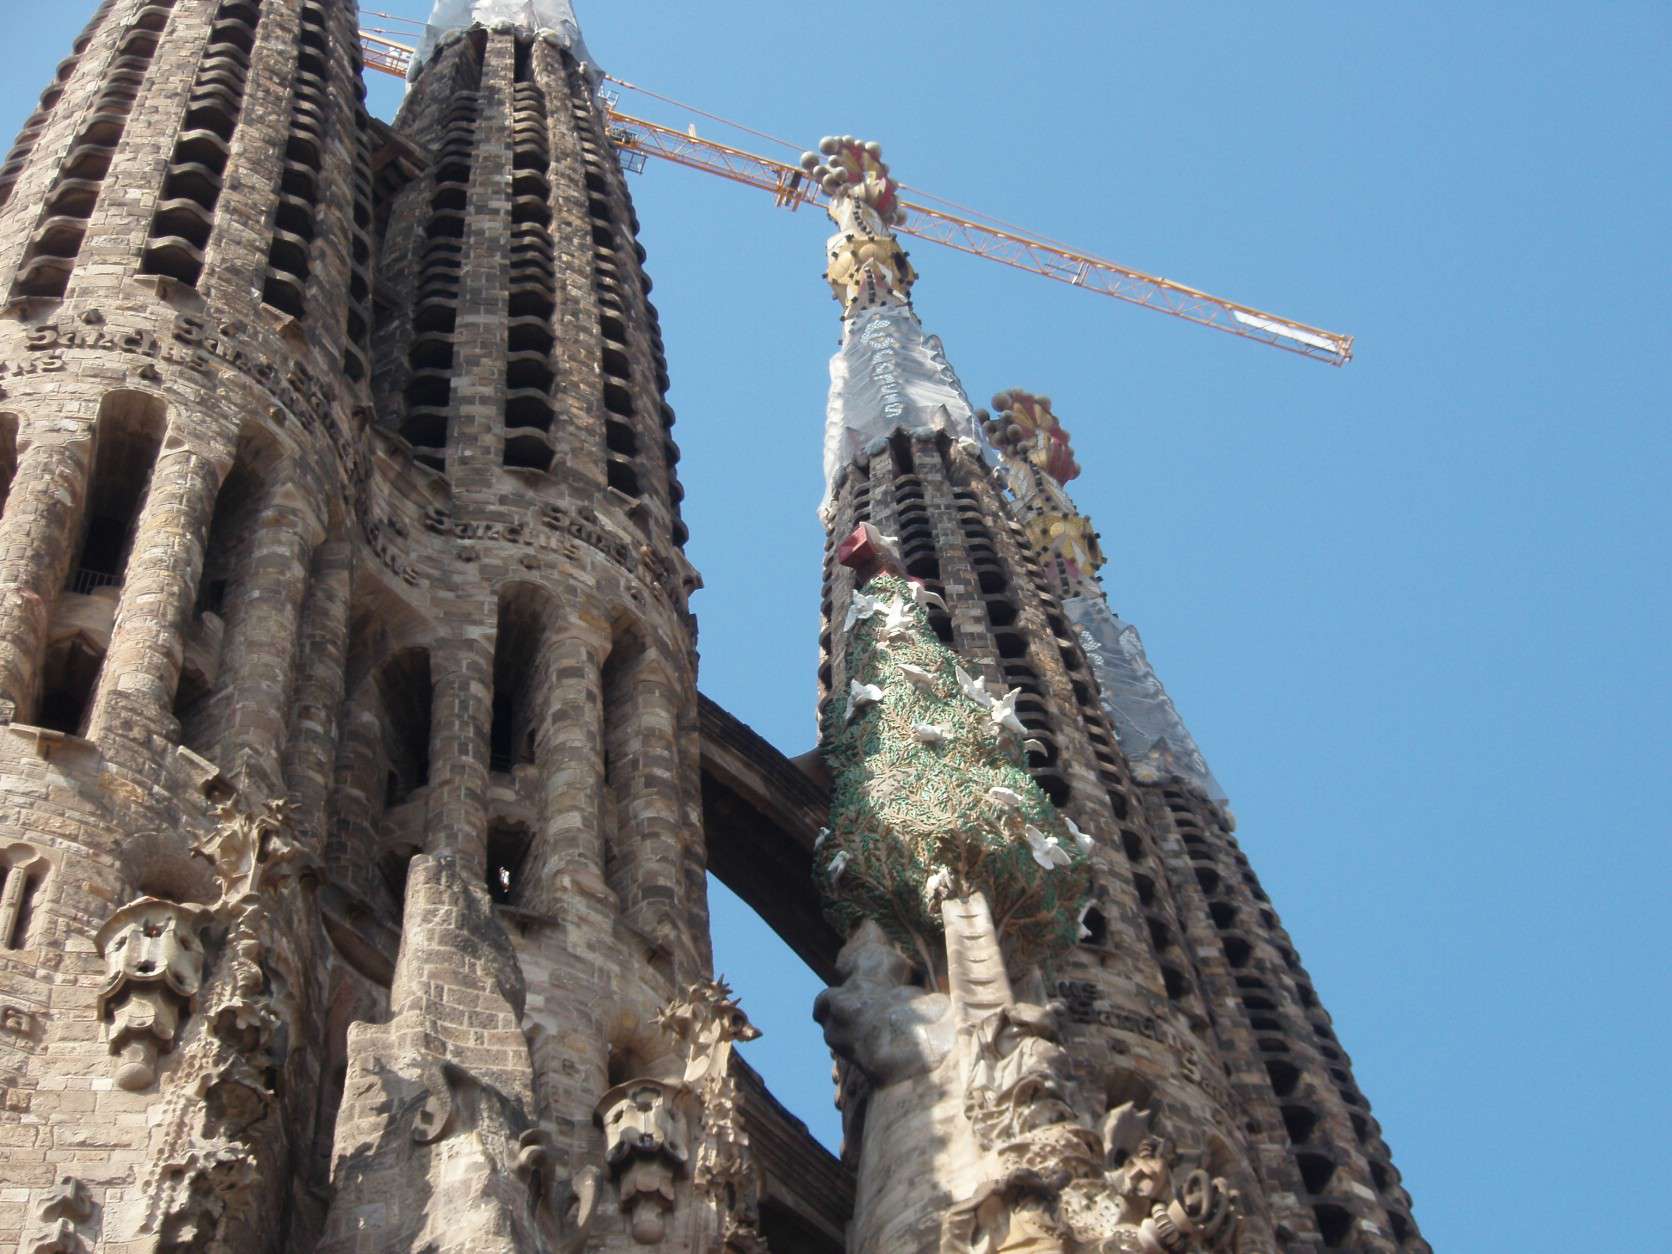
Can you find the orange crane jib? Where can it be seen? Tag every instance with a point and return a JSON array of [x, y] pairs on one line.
[[790, 189]]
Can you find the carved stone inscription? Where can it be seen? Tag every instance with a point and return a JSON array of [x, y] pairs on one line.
[[556, 529], [194, 343]]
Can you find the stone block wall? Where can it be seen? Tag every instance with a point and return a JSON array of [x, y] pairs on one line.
[[337, 470]]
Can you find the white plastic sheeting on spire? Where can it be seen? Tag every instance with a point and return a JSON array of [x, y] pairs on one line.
[[543, 17], [888, 374], [1151, 733]]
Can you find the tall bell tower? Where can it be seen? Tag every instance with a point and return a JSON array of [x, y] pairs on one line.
[[1040, 1086], [356, 795], [185, 252], [518, 776], [1319, 1151]]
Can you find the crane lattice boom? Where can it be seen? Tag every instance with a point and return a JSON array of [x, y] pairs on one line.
[[637, 138]]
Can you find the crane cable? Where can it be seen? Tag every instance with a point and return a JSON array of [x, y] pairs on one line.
[[798, 148]]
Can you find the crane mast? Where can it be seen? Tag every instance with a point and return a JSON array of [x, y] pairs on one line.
[[636, 139]]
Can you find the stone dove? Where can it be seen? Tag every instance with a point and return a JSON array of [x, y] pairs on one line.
[[896, 618], [860, 695], [1080, 838], [839, 863], [939, 884], [1047, 850], [973, 688], [926, 600], [861, 606], [1009, 798], [928, 734], [917, 675], [1003, 712]]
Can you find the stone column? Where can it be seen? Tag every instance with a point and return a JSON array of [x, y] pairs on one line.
[[309, 750], [461, 718], [351, 849], [11, 905], [262, 624], [694, 845], [142, 665], [37, 543], [648, 849], [567, 748]]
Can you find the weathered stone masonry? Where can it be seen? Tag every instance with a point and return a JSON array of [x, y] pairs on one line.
[[356, 797]]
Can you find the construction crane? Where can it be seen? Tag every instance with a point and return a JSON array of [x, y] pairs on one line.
[[637, 139]]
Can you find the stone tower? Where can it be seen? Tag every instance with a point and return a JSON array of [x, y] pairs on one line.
[[1318, 1149], [356, 794], [185, 255], [1181, 1011]]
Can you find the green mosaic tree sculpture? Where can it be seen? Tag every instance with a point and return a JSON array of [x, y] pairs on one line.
[[930, 797]]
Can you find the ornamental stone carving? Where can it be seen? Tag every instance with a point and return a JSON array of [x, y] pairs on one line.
[[646, 1147], [876, 1018], [61, 1212], [216, 1133], [153, 969], [1014, 1102], [706, 1022], [1141, 1206], [1016, 1075]]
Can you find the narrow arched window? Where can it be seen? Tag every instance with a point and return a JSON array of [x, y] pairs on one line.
[[24, 871]]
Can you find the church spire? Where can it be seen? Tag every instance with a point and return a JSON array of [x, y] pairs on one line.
[[553, 20], [1039, 463], [889, 373]]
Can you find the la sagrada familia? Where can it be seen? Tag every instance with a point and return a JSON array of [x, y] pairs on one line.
[[357, 796]]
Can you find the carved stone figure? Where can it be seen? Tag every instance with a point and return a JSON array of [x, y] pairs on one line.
[[1017, 1072], [153, 969], [876, 1019], [60, 1213], [215, 1138], [1014, 1102], [1140, 1206], [251, 852], [996, 1223], [706, 1021], [646, 1148]]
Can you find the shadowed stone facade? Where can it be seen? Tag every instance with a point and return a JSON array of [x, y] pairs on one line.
[[356, 796]]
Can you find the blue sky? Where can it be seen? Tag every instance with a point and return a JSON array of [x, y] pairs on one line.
[[1415, 610]]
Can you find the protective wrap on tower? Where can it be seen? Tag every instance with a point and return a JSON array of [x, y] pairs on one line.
[[889, 373], [543, 17], [1149, 728]]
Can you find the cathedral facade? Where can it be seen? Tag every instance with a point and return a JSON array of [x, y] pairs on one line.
[[357, 796]]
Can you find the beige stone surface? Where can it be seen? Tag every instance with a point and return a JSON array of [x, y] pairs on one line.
[[336, 468]]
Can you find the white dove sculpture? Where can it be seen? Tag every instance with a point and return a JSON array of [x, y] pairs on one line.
[[1080, 838], [973, 688], [926, 600], [861, 606], [896, 618], [861, 695], [1009, 798], [1047, 850], [917, 675], [1003, 712], [928, 734], [939, 884]]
